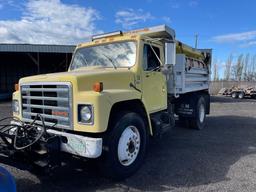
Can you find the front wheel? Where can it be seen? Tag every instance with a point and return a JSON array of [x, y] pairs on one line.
[[126, 145], [234, 95], [198, 122]]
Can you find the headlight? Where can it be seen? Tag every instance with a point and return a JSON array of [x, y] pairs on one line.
[[85, 114], [15, 106]]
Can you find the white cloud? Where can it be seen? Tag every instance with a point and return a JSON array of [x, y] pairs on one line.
[[130, 17], [248, 44], [235, 37], [167, 19], [251, 43], [50, 22], [14, 4], [174, 4], [193, 3]]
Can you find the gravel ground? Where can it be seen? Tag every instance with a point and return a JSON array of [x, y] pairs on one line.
[[222, 157]]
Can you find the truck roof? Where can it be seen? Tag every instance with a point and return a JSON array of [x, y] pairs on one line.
[[159, 31], [162, 31]]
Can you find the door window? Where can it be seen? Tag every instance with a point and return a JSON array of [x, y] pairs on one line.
[[150, 60]]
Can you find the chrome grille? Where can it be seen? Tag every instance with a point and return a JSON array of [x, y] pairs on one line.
[[51, 100]]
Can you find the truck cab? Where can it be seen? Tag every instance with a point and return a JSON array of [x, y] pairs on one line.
[[121, 89]]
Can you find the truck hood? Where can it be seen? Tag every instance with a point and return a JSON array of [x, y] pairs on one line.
[[84, 79]]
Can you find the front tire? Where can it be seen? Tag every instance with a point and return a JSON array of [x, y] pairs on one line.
[[126, 146], [234, 95]]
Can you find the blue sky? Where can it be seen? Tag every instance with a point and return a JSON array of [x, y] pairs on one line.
[[226, 26]]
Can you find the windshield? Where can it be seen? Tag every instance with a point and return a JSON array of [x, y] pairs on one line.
[[121, 54]]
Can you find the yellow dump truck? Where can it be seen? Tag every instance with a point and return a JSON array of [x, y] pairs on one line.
[[121, 89]]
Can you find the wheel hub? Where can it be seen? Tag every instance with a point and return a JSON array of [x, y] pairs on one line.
[[129, 146], [201, 113]]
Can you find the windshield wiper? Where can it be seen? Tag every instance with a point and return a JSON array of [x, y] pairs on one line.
[[111, 60]]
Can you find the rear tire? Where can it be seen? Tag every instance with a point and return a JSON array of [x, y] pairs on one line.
[[198, 122], [126, 146], [241, 95], [253, 96]]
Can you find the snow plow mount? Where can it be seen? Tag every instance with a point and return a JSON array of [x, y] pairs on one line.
[[29, 142], [18, 135]]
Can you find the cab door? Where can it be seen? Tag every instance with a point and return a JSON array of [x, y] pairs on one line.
[[154, 90]]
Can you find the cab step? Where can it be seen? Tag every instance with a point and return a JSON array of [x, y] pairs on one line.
[[41, 151], [161, 123], [41, 163]]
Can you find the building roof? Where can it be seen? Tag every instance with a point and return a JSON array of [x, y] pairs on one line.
[[37, 48]]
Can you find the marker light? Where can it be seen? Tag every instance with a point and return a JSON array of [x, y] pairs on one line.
[[98, 87]]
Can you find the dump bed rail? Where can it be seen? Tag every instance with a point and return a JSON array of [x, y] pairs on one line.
[[188, 75]]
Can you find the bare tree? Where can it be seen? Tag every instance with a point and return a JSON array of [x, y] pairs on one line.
[[246, 67], [227, 73], [215, 71], [238, 68], [251, 69]]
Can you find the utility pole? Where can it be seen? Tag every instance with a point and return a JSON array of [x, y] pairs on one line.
[[196, 40]]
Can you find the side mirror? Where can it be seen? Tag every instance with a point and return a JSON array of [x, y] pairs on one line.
[[167, 69], [170, 53]]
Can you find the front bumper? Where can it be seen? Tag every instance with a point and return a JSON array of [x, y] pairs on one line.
[[79, 145], [76, 144]]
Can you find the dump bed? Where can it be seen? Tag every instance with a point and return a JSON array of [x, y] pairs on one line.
[[190, 74]]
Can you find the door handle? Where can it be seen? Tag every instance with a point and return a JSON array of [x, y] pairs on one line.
[[163, 88]]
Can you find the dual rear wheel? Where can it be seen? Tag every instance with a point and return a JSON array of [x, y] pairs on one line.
[[239, 95], [198, 121]]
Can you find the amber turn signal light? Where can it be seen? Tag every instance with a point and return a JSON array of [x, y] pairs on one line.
[[16, 87], [98, 86]]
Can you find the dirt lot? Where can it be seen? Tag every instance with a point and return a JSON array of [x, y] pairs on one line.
[[222, 157]]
